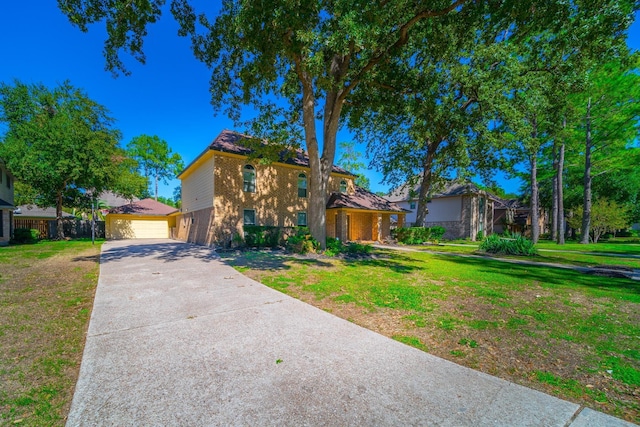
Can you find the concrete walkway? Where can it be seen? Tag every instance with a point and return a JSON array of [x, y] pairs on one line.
[[178, 338]]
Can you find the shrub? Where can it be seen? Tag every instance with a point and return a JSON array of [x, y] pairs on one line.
[[418, 235], [358, 248], [334, 247], [26, 235], [518, 245], [302, 242], [259, 236]]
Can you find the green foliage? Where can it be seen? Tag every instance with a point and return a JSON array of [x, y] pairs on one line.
[[350, 160], [260, 236], [606, 216], [25, 235], [155, 159], [335, 247], [418, 235], [302, 242], [518, 245], [58, 142]]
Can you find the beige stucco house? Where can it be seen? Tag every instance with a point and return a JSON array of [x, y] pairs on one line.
[[223, 189], [6, 204], [463, 209]]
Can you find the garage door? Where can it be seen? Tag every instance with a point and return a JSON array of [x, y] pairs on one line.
[[123, 228]]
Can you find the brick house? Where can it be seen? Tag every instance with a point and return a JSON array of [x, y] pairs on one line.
[[6, 204], [463, 209], [223, 189]]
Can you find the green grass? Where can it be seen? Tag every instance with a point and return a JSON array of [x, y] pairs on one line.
[[46, 294], [487, 313]]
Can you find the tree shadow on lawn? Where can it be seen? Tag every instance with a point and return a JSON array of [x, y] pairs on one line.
[[165, 251], [267, 260], [395, 261], [548, 275]]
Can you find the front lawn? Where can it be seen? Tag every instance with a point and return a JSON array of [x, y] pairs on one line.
[[46, 295], [562, 332]]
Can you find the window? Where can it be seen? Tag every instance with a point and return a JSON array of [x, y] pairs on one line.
[[412, 205], [343, 186], [249, 179], [302, 219], [249, 216], [302, 185]]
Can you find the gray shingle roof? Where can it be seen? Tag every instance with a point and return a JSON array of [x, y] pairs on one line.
[[144, 207], [362, 199]]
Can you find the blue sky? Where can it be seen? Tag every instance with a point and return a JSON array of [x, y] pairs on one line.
[[168, 97]]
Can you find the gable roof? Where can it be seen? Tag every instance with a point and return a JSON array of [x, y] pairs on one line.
[[144, 207], [362, 199], [450, 188], [33, 211], [231, 142]]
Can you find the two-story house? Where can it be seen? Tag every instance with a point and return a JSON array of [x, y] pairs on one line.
[[6, 204], [223, 189]]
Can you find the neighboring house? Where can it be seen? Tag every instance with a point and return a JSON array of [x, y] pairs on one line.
[[222, 190], [6, 204], [143, 219], [463, 209], [511, 215], [33, 217]]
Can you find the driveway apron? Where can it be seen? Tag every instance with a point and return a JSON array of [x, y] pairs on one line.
[[179, 338]]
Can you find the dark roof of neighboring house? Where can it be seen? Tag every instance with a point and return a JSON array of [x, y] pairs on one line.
[[448, 189], [509, 204], [113, 200], [362, 199], [144, 207], [231, 142], [33, 211], [5, 204]]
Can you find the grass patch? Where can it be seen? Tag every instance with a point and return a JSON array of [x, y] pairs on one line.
[[569, 325], [412, 341], [44, 314]]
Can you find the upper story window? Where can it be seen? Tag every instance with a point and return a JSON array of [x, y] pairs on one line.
[[412, 205], [302, 185], [249, 179], [343, 186]]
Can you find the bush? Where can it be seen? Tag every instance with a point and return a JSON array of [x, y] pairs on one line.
[[259, 236], [26, 235], [518, 245], [418, 235], [302, 242], [336, 247]]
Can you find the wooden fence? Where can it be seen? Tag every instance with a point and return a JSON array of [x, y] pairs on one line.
[[73, 228]]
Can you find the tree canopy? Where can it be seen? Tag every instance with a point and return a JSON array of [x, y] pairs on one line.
[[155, 159], [60, 144]]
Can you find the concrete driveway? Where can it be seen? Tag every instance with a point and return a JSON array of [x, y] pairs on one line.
[[178, 338]]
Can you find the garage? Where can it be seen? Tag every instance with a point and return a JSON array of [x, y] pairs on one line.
[[144, 219]]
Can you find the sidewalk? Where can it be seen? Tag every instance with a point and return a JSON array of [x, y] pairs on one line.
[[178, 338]]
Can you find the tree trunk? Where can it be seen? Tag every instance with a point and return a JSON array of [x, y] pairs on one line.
[[586, 210], [156, 185], [554, 199], [59, 225], [535, 226], [561, 216], [425, 185]]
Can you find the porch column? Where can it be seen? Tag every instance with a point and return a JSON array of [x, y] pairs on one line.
[[341, 225], [378, 227], [401, 220]]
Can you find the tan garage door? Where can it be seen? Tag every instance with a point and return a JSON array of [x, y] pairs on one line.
[[122, 228]]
